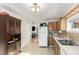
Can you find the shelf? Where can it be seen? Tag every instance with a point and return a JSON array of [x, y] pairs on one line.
[[11, 42]]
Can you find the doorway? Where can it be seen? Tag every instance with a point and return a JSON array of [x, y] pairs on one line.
[[34, 32]]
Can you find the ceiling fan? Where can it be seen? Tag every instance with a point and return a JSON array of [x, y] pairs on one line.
[[35, 7]]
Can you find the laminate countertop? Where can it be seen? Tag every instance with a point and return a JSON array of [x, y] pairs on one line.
[[71, 50], [68, 49]]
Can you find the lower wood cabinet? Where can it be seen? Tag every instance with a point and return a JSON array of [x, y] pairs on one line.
[[54, 44], [14, 48], [18, 46], [11, 49], [50, 42]]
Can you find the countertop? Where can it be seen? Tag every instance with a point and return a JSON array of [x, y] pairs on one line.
[[69, 50]]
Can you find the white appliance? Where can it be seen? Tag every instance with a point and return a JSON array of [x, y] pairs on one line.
[[43, 36]]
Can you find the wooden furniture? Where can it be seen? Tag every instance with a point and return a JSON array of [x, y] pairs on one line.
[[54, 45], [10, 35], [63, 23], [54, 26], [58, 25], [50, 26]]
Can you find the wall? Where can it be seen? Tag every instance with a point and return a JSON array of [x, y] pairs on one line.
[[75, 37], [25, 33]]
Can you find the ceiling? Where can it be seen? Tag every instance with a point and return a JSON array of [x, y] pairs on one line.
[[47, 10]]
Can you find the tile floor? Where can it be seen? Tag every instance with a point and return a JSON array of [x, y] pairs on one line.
[[33, 49]]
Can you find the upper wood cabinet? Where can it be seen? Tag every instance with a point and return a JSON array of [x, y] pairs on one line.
[[18, 25], [11, 25], [50, 26], [58, 25], [64, 24], [54, 26]]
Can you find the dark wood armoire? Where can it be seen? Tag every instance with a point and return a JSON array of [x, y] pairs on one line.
[[10, 35]]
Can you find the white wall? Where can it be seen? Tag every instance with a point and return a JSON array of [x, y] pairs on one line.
[[25, 33]]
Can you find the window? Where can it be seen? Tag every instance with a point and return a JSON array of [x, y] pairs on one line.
[[70, 24]]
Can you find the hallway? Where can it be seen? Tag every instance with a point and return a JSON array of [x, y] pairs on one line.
[[33, 49]]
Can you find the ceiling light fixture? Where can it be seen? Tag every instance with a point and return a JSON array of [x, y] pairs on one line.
[[35, 7]]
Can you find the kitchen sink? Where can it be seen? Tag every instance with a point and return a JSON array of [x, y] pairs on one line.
[[65, 42]]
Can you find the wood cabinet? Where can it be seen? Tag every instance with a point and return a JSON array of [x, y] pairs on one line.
[[10, 34], [58, 25], [54, 45], [63, 23], [11, 26], [18, 24], [3, 41], [54, 26], [50, 26]]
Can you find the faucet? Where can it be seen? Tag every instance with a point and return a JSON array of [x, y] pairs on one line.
[[70, 38]]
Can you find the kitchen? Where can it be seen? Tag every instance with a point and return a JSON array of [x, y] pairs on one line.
[[54, 33], [62, 36]]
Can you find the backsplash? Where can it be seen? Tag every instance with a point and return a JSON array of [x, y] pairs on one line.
[[51, 33], [76, 42], [75, 38]]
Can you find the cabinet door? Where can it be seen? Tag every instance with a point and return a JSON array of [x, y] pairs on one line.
[[18, 46], [54, 26], [50, 41], [3, 38], [58, 25], [50, 26], [11, 49], [18, 26], [11, 26]]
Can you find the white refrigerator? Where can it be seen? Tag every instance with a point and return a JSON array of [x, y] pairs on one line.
[[43, 36]]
